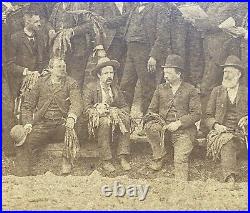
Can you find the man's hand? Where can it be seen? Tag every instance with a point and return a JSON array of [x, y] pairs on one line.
[[243, 122], [173, 126], [151, 65], [220, 128], [52, 34], [28, 128], [70, 123]]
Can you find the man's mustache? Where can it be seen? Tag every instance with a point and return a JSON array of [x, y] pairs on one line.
[[109, 79]]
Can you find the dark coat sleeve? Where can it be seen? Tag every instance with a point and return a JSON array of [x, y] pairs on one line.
[[194, 114], [211, 109], [88, 97], [75, 99], [155, 103], [29, 104]]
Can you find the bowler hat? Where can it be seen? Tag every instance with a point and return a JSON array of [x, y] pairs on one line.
[[174, 61], [233, 61], [18, 134], [104, 62]]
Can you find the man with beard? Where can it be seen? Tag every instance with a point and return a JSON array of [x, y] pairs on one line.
[[55, 98], [174, 109], [227, 117], [107, 112]]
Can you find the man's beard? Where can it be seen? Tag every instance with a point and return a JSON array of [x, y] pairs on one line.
[[230, 83]]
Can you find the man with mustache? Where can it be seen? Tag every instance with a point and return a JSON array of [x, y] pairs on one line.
[[174, 109], [55, 99], [107, 112], [227, 117]]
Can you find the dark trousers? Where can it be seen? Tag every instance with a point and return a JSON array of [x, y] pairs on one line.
[[76, 66], [136, 68], [42, 134], [182, 143], [117, 51], [228, 158], [104, 138]]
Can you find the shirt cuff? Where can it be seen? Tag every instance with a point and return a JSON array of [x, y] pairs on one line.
[[25, 71], [72, 115]]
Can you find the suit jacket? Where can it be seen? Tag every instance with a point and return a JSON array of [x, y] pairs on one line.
[[79, 23], [92, 94], [115, 20], [67, 96], [217, 105], [22, 56], [186, 101], [155, 22]]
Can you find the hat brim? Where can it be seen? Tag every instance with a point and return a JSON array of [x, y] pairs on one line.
[[233, 65], [115, 64]]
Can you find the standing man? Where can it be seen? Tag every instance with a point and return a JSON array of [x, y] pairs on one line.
[[174, 109], [227, 111], [26, 54], [147, 43], [107, 112], [116, 15], [57, 98], [76, 29]]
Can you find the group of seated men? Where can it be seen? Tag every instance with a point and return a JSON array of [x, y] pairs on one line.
[[175, 108]]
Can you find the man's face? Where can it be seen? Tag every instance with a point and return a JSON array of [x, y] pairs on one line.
[[106, 75], [59, 68], [231, 77], [171, 75], [33, 22]]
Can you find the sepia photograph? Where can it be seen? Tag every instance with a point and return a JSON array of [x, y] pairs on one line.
[[125, 106]]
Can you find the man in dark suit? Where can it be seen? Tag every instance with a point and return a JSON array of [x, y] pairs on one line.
[[227, 111], [115, 14], [148, 44], [55, 98], [172, 114], [77, 29], [26, 54], [107, 113]]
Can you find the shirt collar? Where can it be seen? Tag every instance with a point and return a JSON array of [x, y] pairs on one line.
[[234, 88], [28, 33]]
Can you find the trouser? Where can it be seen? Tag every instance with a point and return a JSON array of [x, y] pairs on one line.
[[182, 143], [104, 138], [136, 67], [43, 133], [228, 158], [117, 51], [76, 66]]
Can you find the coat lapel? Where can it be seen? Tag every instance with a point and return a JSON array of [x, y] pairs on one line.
[[26, 42]]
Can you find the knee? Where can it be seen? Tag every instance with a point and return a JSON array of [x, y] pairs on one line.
[[151, 127]]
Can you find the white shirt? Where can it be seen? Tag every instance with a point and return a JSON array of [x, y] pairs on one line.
[[119, 6], [104, 95], [29, 34], [232, 93], [175, 87]]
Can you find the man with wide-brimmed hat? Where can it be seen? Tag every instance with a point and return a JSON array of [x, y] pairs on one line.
[[227, 117], [107, 112], [174, 109], [56, 103]]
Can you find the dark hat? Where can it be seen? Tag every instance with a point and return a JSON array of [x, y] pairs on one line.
[[104, 62], [233, 61], [174, 61], [18, 134]]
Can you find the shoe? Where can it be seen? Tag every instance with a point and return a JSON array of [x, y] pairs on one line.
[[108, 166], [125, 164], [66, 167], [156, 165], [231, 181]]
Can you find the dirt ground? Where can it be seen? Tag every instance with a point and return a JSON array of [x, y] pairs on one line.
[[82, 189]]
